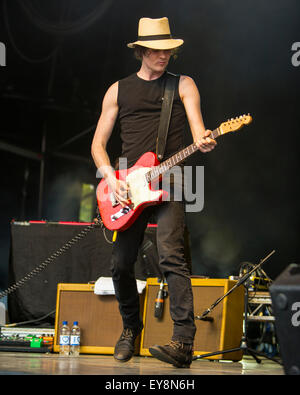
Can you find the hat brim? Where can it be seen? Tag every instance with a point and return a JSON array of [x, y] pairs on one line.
[[158, 44]]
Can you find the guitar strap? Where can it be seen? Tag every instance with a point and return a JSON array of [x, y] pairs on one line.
[[165, 114]]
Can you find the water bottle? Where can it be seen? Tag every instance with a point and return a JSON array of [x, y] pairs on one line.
[[64, 339], [75, 340]]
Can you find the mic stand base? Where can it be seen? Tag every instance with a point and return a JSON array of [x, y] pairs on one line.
[[243, 347], [243, 344]]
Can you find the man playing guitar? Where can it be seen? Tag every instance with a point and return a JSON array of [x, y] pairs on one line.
[[136, 101]]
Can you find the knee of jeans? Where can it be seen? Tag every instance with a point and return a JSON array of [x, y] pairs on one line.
[[120, 269], [174, 263]]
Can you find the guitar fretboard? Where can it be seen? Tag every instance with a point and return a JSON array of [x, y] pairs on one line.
[[174, 160]]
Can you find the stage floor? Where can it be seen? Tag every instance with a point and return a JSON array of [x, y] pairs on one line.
[[17, 363]]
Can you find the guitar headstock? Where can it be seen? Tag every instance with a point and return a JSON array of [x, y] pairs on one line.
[[234, 124]]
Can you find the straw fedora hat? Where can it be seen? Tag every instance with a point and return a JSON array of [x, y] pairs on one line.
[[155, 34]]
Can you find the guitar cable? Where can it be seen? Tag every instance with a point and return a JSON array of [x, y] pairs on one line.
[[51, 259]]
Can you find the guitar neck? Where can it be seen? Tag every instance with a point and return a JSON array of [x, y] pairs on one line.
[[176, 159]]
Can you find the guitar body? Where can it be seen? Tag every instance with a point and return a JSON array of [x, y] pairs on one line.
[[116, 217]]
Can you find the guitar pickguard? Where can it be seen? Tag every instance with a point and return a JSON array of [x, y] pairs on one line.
[[139, 189]]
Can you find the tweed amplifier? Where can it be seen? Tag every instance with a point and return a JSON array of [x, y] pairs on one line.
[[98, 317], [223, 332]]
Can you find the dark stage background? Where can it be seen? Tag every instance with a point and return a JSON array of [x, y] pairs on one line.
[[62, 55]]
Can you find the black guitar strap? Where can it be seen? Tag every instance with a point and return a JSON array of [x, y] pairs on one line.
[[165, 114]]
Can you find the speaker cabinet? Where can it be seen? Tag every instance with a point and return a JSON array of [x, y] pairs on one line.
[[33, 242], [285, 295], [224, 332], [98, 317]]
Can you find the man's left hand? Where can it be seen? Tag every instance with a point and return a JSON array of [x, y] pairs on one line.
[[205, 143]]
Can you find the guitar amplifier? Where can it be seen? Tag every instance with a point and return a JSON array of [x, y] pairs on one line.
[[98, 317], [222, 333]]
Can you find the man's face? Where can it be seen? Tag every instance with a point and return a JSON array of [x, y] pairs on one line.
[[157, 60]]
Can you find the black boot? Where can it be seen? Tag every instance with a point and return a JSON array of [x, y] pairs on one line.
[[124, 348], [177, 353]]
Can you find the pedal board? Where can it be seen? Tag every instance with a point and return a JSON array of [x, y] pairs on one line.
[[26, 340]]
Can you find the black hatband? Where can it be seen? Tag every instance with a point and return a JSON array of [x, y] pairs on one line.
[[155, 37]]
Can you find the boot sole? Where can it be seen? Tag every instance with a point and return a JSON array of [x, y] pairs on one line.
[[160, 354], [123, 359]]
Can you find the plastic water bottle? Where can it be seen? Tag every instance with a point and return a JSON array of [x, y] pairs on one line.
[[75, 340], [64, 339]]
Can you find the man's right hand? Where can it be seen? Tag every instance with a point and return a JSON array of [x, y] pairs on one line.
[[120, 190]]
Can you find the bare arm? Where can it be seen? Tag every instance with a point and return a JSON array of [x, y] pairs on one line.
[[104, 129], [191, 100], [102, 134]]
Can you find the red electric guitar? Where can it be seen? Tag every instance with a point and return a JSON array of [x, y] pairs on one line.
[[139, 177]]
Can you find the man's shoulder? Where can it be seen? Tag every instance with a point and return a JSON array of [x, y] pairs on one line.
[[187, 86], [185, 77], [186, 81], [182, 77], [128, 78]]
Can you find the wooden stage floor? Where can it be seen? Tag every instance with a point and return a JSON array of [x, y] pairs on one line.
[[17, 363]]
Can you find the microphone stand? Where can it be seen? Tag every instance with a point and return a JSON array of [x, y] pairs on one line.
[[244, 341]]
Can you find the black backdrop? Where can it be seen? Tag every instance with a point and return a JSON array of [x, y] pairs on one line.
[[239, 54]]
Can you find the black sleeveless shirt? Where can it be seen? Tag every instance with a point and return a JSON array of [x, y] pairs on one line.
[[140, 103]]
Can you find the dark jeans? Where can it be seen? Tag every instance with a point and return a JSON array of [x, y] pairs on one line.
[[170, 244]]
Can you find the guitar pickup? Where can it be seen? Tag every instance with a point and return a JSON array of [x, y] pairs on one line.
[[124, 210]]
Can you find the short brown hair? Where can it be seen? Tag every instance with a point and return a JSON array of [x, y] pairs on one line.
[[139, 52]]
